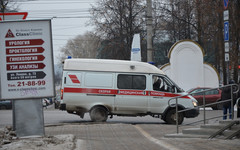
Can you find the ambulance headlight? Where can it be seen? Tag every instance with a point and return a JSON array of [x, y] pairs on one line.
[[195, 104]]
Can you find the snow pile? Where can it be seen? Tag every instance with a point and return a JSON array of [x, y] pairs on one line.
[[9, 141], [7, 135]]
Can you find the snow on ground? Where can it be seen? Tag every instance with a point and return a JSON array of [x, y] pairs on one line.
[[9, 141]]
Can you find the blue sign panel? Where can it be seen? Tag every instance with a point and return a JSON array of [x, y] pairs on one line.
[[226, 31], [135, 50], [225, 3]]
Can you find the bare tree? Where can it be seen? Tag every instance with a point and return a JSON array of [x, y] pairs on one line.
[[117, 21], [235, 37], [177, 16], [210, 34], [8, 6], [83, 46], [199, 20], [3, 4]]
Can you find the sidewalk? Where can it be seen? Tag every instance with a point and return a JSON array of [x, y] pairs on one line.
[[117, 136]]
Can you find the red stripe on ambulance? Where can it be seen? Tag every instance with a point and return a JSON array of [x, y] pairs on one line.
[[74, 78], [90, 91], [132, 92], [121, 92]]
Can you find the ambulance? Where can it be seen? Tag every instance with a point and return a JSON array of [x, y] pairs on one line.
[[106, 88]]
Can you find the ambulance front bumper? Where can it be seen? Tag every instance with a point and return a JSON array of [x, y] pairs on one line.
[[191, 113]]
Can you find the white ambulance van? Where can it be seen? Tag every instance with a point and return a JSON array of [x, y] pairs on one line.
[[105, 88]]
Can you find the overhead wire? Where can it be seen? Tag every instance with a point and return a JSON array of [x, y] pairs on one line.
[[36, 10], [54, 2], [56, 11]]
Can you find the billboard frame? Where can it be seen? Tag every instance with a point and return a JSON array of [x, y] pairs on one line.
[[49, 61]]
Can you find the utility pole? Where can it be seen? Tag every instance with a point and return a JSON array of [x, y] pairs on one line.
[[226, 36], [149, 32]]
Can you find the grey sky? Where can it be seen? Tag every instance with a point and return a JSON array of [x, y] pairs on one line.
[[69, 18]]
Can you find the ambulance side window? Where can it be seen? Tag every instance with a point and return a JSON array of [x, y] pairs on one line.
[[160, 84], [125, 81]]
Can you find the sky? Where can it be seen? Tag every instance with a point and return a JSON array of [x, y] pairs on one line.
[[69, 18]]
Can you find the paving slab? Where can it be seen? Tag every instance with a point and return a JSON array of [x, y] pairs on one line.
[[138, 137]]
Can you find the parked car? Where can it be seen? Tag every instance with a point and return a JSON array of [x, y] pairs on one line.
[[5, 104], [210, 96]]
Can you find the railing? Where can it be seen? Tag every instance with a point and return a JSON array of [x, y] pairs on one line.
[[204, 104]]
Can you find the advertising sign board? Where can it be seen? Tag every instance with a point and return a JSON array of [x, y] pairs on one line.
[[26, 59]]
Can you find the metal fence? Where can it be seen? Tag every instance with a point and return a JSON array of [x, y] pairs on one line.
[[234, 90]]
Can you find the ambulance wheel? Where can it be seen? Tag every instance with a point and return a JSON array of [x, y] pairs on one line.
[[171, 117], [98, 114]]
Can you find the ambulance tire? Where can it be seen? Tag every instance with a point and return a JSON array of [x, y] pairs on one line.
[[171, 117], [98, 114]]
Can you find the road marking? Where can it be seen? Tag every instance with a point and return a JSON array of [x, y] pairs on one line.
[[156, 141]]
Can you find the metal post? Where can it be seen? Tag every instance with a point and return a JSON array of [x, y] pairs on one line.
[[149, 31], [28, 117], [226, 36], [232, 109], [228, 72], [204, 110], [13, 115], [177, 115]]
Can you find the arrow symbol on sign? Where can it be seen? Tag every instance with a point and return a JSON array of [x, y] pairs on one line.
[[26, 66], [26, 58], [25, 50], [29, 42]]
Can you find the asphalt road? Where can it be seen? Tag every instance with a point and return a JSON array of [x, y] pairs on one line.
[[54, 117], [128, 133]]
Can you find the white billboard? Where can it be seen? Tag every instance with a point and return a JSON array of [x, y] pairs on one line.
[[136, 48], [26, 59], [187, 67]]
